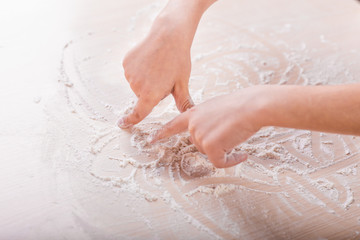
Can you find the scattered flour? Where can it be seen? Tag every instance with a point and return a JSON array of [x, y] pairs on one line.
[[349, 198], [196, 165], [215, 190], [349, 170], [37, 99], [275, 154]]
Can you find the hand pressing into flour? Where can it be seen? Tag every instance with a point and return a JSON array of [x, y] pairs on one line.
[[160, 64], [218, 125]]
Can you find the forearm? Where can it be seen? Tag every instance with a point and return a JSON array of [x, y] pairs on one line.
[[179, 19], [321, 108]]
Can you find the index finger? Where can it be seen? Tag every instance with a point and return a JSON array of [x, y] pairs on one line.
[[177, 125], [142, 108]]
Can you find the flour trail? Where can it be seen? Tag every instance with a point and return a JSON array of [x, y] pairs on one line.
[[288, 171]]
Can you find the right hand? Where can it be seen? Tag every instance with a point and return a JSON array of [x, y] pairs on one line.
[[219, 124], [157, 66]]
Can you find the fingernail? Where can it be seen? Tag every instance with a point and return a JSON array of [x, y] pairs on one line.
[[121, 123]]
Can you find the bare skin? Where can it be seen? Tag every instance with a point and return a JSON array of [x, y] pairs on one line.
[[218, 125], [160, 65]]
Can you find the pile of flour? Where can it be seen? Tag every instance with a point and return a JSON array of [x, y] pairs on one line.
[[175, 149]]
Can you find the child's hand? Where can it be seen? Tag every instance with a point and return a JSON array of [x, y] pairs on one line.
[[218, 125], [161, 64], [156, 67]]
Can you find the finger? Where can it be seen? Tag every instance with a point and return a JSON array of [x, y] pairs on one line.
[[234, 159], [141, 110], [198, 147], [177, 125], [196, 143], [220, 159], [182, 97]]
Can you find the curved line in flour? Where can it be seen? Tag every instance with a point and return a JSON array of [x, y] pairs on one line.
[[250, 73], [350, 144], [315, 146], [74, 108], [283, 62], [330, 204], [213, 56], [297, 154], [277, 137], [327, 153], [313, 190], [336, 166], [99, 137], [275, 52], [90, 88], [328, 169], [339, 187], [254, 186], [101, 145], [292, 205], [181, 200], [65, 71], [240, 181], [80, 112], [338, 146], [299, 205], [297, 76], [69, 68]]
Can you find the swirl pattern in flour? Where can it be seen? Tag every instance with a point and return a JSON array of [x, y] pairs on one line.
[[289, 172]]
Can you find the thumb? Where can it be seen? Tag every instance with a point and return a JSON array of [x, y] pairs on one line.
[[140, 111], [182, 97]]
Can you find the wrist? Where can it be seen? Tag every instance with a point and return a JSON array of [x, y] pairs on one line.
[[281, 106], [171, 27], [178, 21], [169, 35], [259, 103]]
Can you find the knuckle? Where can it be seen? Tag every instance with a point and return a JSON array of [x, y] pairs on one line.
[[187, 104], [208, 145]]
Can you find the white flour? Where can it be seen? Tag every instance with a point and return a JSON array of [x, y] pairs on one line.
[[302, 169]]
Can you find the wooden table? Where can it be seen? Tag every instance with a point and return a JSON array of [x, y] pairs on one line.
[[68, 173]]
